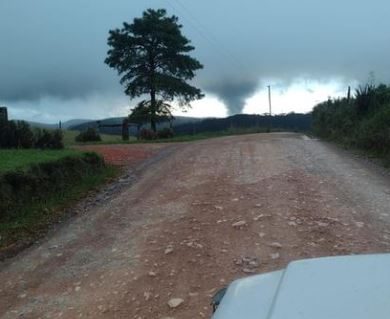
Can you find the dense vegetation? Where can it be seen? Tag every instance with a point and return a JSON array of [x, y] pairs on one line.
[[288, 122], [32, 195], [41, 179], [89, 135], [362, 121], [19, 134]]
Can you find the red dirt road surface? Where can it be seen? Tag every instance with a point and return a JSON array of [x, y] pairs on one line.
[[198, 216], [124, 155]]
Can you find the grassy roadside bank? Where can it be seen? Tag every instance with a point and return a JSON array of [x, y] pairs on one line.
[[35, 196]]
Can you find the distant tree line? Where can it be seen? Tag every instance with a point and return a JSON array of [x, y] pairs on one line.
[[362, 121], [287, 122], [19, 134], [183, 126]]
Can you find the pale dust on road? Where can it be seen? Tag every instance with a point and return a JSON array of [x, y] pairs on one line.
[[205, 214]]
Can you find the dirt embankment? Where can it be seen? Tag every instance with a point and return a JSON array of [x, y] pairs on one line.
[[205, 214]]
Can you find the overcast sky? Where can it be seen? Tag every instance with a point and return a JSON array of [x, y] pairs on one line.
[[52, 53]]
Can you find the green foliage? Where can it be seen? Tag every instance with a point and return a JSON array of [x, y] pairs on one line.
[[382, 94], [374, 131], [365, 99], [142, 113], [364, 122], [20, 135], [30, 219], [21, 187], [16, 135], [23, 135], [151, 56], [45, 139], [89, 135], [335, 118]]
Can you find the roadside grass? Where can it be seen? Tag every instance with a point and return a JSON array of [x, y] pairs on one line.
[[26, 211], [206, 135], [380, 157], [22, 159], [33, 221]]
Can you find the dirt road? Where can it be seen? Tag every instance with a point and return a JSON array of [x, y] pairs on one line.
[[199, 216]]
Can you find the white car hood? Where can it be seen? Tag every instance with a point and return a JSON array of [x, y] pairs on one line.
[[350, 287]]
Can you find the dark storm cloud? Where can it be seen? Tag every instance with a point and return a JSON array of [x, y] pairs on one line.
[[54, 50], [63, 85]]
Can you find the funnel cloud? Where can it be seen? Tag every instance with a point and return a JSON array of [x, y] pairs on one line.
[[234, 94]]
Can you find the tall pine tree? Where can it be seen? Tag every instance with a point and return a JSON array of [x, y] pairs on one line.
[[151, 56]]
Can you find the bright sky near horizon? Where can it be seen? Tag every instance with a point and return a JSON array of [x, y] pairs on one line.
[[51, 61]]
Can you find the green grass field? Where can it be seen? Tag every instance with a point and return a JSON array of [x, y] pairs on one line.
[[11, 159], [69, 139], [207, 135], [21, 159]]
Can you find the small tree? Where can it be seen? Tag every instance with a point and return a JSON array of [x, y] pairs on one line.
[[142, 114], [89, 135], [151, 56]]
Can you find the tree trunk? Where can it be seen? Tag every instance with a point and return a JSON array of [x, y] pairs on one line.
[[153, 105], [125, 130], [153, 110]]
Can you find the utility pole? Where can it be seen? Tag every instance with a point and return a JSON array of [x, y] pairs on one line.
[[269, 100]]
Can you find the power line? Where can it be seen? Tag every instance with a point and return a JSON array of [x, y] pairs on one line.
[[224, 49], [206, 34]]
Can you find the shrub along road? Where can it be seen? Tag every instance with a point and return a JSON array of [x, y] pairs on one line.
[[198, 216]]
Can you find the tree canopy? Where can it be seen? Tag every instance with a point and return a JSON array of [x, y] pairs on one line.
[[151, 57], [142, 113]]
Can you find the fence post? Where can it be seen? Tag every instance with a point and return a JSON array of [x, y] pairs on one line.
[[3, 114]]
